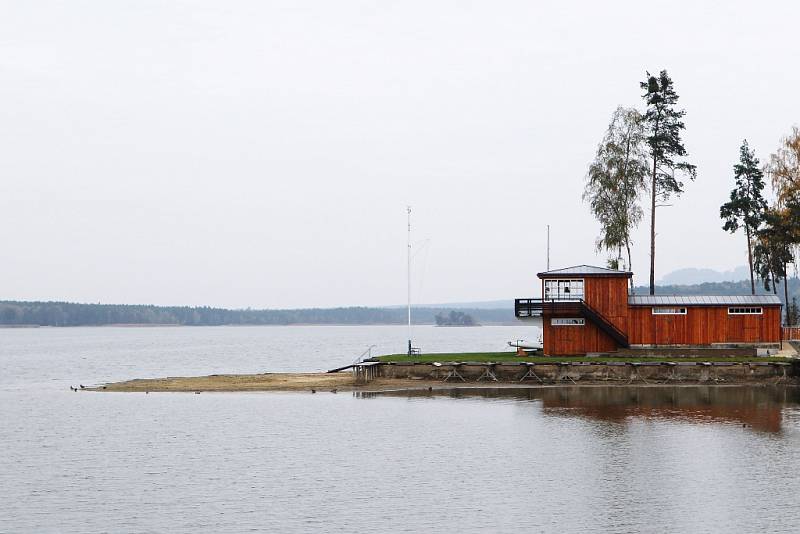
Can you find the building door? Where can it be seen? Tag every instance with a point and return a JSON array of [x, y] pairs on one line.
[[752, 331]]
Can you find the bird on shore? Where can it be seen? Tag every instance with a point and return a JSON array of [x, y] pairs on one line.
[[334, 390], [82, 386], [313, 391], [73, 389]]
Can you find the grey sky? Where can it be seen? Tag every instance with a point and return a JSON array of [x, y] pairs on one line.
[[262, 153]]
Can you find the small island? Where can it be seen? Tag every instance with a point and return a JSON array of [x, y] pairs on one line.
[[455, 318]]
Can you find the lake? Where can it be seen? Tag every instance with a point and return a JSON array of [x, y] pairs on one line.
[[571, 459]]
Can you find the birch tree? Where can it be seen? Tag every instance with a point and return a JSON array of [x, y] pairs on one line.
[[615, 181]]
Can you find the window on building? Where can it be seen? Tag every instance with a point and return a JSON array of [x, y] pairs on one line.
[[743, 310], [563, 289], [669, 311], [567, 321]]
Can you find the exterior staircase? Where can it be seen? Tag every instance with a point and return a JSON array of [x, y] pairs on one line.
[[524, 308], [605, 325]]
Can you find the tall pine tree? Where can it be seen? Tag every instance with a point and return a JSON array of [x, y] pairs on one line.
[[664, 124], [746, 207]]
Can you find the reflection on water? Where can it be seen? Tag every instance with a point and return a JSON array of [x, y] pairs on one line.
[[756, 407], [566, 459]]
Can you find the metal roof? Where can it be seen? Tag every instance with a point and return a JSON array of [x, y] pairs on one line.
[[692, 300], [585, 269]]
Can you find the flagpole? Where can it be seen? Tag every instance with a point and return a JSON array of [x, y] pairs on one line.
[[408, 273]]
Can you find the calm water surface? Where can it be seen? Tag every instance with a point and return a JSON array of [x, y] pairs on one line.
[[666, 459]]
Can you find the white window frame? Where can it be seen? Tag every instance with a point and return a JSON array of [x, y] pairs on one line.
[[745, 310], [570, 283], [666, 310], [567, 321]]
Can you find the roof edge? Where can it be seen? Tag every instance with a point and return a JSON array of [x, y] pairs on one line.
[[553, 274], [585, 270], [721, 300]]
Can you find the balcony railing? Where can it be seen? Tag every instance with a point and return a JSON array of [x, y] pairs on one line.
[[538, 307]]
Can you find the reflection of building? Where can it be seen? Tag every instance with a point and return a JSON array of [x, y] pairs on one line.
[[757, 407], [587, 309]]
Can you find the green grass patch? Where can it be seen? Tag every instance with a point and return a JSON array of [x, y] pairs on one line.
[[511, 357]]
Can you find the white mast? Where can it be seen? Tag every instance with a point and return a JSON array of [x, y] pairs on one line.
[[548, 247], [408, 272]]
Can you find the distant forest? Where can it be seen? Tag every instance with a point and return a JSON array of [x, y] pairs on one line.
[[14, 313], [71, 314]]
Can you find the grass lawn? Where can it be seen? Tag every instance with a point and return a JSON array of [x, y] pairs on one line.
[[511, 357]]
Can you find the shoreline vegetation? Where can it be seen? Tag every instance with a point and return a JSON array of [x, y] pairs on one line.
[[431, 377]]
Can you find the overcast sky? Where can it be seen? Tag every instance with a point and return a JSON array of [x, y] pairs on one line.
[[262, 153]]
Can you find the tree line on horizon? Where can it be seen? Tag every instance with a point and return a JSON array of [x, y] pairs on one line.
[[21, 313], [642, 156], [17, 313]]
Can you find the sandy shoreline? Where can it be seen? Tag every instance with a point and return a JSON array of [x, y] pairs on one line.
[[263, 382], [344, 382]]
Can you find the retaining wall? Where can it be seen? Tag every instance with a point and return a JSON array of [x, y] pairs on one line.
[[599, 372]]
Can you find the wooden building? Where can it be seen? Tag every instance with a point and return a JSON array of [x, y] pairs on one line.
[[586, 309]]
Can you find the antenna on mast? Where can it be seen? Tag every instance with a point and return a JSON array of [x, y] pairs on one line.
[[408, 272]]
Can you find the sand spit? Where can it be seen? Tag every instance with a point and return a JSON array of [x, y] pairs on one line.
[[345, 382], [322, 382]]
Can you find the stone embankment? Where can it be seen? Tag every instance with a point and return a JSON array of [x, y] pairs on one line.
[[600, 372]]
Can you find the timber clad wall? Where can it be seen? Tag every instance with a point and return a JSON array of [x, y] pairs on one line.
[[703, 325], [607, 294], [573, 340]]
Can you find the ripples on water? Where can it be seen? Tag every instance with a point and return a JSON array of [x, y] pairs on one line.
[[552, 459]]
